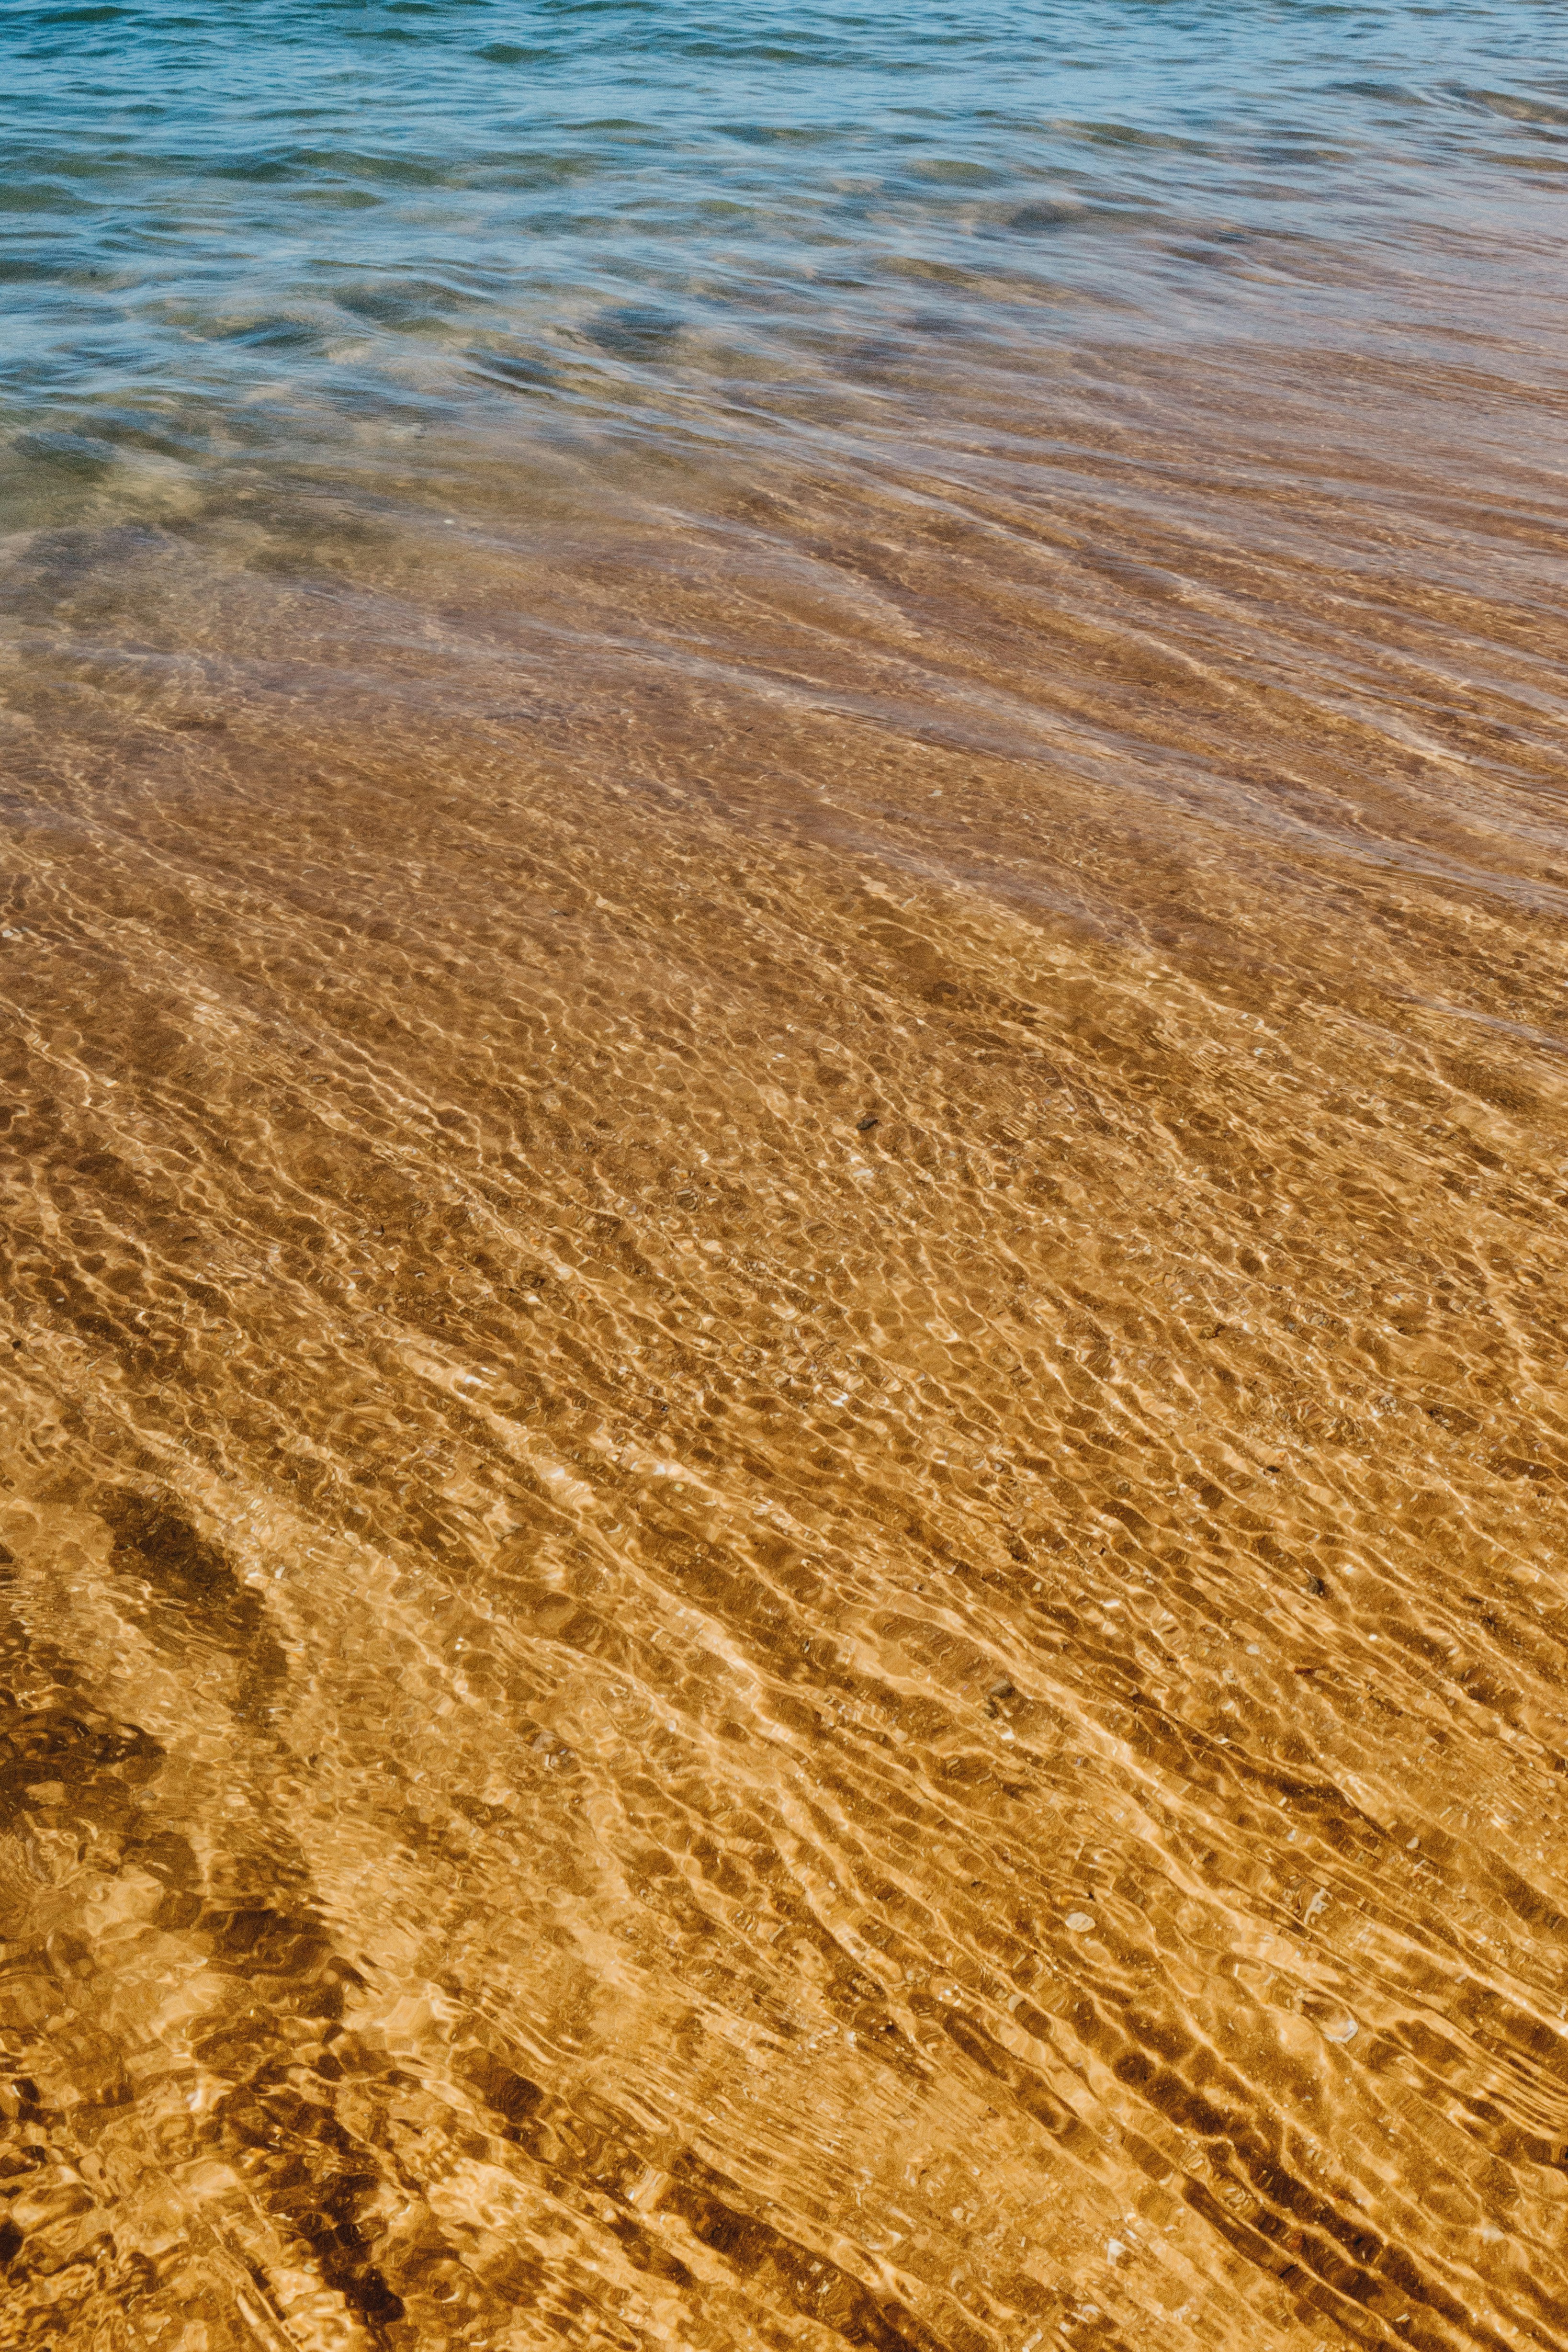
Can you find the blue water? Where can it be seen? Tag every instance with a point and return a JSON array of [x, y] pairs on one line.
[[226, 230]]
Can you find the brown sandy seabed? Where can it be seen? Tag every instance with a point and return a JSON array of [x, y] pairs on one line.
[[640, 1713]]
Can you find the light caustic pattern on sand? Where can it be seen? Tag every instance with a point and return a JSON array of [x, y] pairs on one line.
[[785, 1430]]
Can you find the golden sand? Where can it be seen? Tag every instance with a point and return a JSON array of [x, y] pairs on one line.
[[784, 1412]]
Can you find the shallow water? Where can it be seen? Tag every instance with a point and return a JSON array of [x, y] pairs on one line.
[[784, 1112]]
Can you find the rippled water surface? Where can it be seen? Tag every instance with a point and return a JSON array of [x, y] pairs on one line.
[[783, 1166]]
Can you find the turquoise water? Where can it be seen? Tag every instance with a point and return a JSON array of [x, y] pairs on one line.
[[276, 228]]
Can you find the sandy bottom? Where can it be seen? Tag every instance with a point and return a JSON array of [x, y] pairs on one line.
[[784, 1423]]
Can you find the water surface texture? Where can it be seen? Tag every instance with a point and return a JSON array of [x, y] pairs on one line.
[[783, 1556]]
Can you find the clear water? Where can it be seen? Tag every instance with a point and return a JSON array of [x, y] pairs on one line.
[[293, 228], [783, 1440]]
